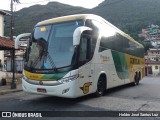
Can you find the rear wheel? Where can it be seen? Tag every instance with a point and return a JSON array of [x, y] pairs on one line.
[[136, 79], [101, 86]]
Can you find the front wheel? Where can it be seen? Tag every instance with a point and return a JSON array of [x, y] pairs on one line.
[[101, 87]]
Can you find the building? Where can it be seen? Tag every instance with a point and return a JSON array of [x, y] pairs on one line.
[[5, 44], [152, 62], [151, 34], [2, 13], [152, 59], [19, 62]]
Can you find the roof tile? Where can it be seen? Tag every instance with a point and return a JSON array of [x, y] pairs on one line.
[[6, 43]]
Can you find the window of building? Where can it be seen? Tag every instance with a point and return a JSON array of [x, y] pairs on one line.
[[156, 67]]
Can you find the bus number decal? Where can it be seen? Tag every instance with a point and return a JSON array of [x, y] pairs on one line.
[[85, 87], [104, 58]]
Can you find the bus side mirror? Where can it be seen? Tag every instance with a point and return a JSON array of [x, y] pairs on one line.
[[19, 37], [77, 34]]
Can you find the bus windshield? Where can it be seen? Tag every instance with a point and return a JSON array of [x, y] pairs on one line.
[[52, 46]]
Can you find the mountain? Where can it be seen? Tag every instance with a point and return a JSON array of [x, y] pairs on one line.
[[26, 18], [129, 15]]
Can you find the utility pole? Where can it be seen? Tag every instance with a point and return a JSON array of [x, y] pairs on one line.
[[11, 21], [13, 83]]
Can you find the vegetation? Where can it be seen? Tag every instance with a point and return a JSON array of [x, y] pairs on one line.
[[146, 45], [129, 15]]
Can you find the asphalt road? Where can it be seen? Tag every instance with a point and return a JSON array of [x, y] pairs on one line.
[[144, 97]]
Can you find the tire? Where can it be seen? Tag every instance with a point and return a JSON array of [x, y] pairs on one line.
[[101, 86], [136, 80]]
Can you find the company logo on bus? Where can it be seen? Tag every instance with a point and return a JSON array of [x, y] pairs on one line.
[[32, 76], [85, 87]]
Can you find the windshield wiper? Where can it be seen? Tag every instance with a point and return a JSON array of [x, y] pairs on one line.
[[35, 62], [51, 61], [45, 53]]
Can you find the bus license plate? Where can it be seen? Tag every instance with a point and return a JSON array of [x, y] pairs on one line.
[[42, 90]]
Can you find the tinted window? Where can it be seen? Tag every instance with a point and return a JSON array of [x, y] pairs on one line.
[[96, 26], [41, 32], [53, 45], [83, 49], [113, 40]]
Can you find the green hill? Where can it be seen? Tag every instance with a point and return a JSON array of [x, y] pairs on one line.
[[130, 15]]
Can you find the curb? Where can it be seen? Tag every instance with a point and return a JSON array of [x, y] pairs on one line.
[[7, 92]]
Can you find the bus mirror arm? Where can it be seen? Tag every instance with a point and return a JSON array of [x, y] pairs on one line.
[[26, 55], [77, 34]]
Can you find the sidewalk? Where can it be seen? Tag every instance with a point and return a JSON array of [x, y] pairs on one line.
[[7, 89]]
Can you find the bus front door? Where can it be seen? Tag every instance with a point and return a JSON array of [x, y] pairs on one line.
[[86, 68]]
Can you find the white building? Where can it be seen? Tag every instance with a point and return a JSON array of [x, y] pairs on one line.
[[2, 13], [152, 62], [7, 43], [151, 34]]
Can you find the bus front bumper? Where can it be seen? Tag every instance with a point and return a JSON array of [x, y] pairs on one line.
[[67, 90]]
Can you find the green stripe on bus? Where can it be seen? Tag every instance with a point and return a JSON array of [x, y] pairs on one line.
[[120, 64], [54, 76]]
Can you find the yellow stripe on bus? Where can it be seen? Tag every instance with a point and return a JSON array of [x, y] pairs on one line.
[[33, 76], [135, 64]]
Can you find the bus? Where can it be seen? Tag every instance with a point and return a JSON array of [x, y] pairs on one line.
[[77, 55]]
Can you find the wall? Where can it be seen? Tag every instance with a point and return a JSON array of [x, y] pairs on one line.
[[156, 72], [2, 34], [1, 25], [18, 64]]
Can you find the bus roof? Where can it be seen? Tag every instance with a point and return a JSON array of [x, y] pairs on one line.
[[84, 16], [65, 18]]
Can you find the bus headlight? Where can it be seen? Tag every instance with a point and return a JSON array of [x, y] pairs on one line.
[[68, 79]]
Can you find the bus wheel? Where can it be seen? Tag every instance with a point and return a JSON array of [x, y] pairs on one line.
[[101, 86], [136, 80]]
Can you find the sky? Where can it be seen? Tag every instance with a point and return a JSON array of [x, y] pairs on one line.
[[5, 4]]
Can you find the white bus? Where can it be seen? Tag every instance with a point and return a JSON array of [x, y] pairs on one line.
[[76, 55]]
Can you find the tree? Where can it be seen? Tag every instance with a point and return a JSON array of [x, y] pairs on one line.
[[147, 45]]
